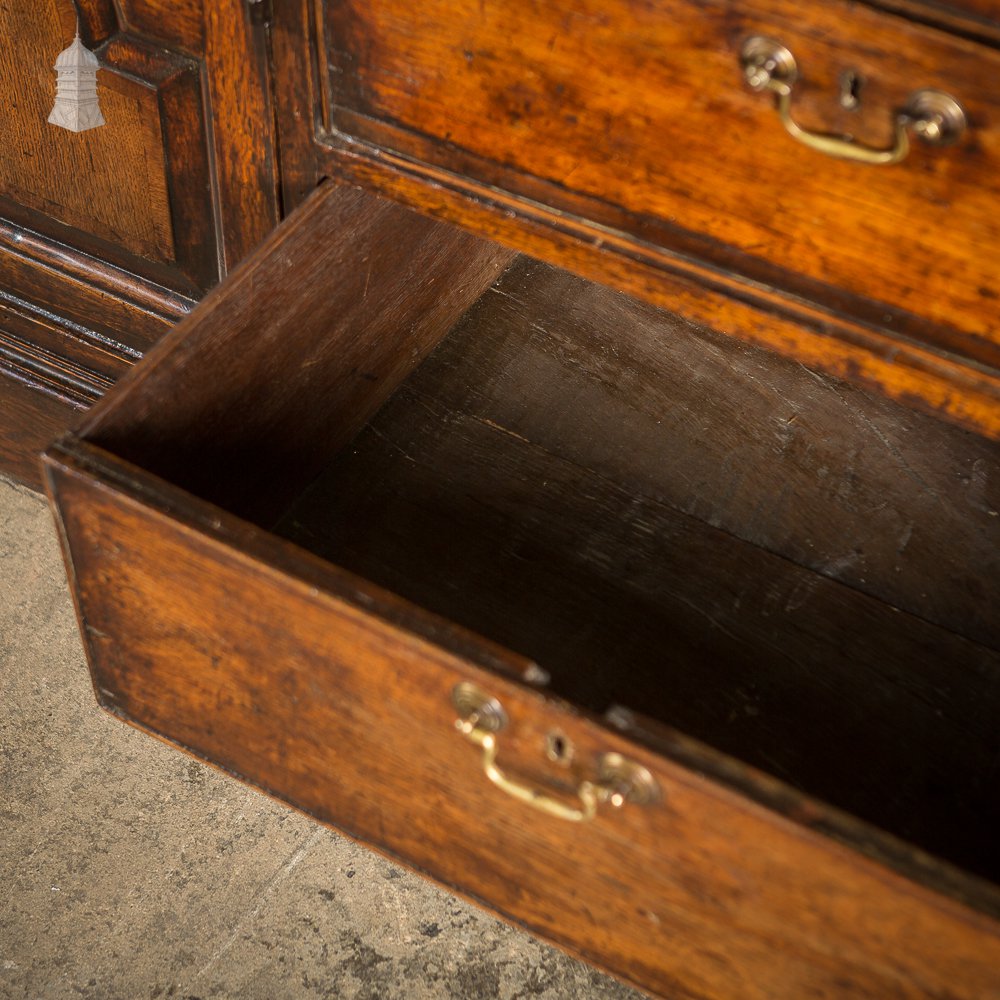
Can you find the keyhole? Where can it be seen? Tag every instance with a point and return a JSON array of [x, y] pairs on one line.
[[850, 89], [558, 748]]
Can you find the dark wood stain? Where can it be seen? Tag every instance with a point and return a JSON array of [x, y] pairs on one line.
[[309, 358]]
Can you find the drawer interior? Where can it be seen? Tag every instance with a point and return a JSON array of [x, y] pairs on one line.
[[517, 484], [659, 517]]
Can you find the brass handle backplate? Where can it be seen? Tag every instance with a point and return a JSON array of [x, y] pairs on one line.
[[935, 117], [615, 781]]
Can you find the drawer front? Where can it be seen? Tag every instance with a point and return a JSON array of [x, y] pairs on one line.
[[306, 682], [637, 115]]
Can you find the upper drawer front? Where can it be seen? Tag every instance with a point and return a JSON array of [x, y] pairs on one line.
[[637, 115]]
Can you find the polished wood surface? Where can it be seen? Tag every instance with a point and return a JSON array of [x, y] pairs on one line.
[[228, 40], [510, 492], [542, 480], [622, 600], [390, 453], [181, 25], [99, 301], [811, 335], [879, 275], [970, 18], [239, 81], [869, 305], [34, 419], [115, 232], [137, 189], [641, 107], [110, 181]]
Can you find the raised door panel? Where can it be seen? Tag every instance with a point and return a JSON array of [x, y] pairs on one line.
[[109, 181], [110, 235], [112, 184]]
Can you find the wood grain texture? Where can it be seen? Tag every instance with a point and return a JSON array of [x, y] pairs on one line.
[[824, 341], [641, 108], [977, 19], [857, 488], [171, 88], [242, 127], [572, 412], [624, 601], [117, 231], [98, 19], [823, 336], [550, 503], [118, 306], [50, 371], [81, 326], [300, 93], [308, 334], [35, 411], [37, 343], [110, 181], [692, 897], [540, 481], [178, 25]]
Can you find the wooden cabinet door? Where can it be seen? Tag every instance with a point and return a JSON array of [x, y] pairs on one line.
[[108, 236]]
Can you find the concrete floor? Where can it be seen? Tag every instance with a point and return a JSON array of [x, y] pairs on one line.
[[127, 870]]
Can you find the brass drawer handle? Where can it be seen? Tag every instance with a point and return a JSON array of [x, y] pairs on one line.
[[617, 780], [937, 118]]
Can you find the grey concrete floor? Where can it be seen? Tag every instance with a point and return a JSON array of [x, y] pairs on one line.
[[128, 870]]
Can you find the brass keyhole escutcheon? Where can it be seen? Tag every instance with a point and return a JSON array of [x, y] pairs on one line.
[[559, 748], [615, 782], [850, 89]]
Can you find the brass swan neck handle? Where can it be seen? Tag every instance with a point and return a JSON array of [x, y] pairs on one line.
[[932, 115], [615, 780]]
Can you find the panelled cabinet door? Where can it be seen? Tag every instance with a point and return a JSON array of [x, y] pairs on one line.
[[108, 236]]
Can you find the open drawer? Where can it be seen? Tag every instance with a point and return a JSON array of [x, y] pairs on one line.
[[676, 654]]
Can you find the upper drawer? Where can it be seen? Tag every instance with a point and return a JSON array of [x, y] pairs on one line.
[[637, 115]]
